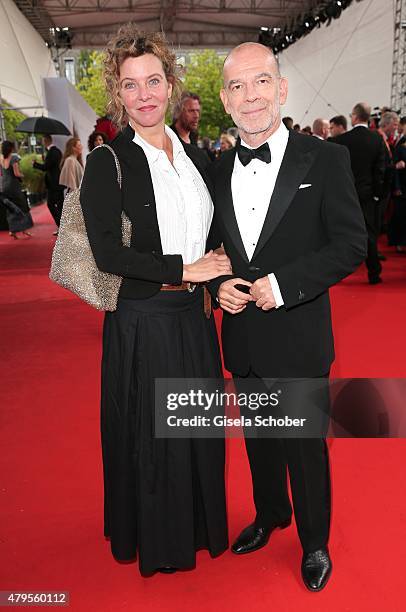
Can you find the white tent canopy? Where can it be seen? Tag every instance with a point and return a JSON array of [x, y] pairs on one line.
[[28, 77], [64, 102], [337, 66], [25, 58]]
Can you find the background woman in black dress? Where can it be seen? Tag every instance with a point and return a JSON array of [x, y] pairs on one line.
[[18, 212], [164, 498]]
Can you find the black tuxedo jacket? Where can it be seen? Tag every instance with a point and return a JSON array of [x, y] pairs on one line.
[[311, 238], [367, 153], [51, 167], [142, 265]]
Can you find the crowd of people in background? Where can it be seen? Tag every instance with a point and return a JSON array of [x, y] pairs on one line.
[[377, 152]]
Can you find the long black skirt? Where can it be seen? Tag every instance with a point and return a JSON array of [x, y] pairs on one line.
[[164, 499]]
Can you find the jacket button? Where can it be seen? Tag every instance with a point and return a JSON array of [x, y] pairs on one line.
[[254, 269]]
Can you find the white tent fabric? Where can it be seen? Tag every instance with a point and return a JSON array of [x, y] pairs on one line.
[[334, 67], [24, 59], [66, 104]]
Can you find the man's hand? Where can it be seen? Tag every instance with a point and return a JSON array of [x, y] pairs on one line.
[[261, 292], [232, 300]]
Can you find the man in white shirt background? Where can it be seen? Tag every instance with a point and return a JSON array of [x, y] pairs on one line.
[[288, 216]]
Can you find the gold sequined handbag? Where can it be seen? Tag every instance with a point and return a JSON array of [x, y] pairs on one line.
[[73, 265]]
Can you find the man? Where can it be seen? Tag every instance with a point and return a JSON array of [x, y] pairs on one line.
[[186, 116], [402, 132], [288, 122], [287, 213], [338, 126], [321, 129], [51, 167], [367, 155]]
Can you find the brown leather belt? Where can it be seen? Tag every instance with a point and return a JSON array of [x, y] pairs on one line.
[[191, 287], [182, 287]]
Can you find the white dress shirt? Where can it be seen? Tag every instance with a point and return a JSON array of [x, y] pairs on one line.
[[183, 203], [252, 188]]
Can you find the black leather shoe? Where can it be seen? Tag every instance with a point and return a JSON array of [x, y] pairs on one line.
[[374, 280], [167, 570], [316, 569], [253, 537]]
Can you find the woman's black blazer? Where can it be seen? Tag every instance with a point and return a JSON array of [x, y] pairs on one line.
[[142, 265]]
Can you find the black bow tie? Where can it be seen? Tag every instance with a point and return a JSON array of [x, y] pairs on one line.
[[246, 155]]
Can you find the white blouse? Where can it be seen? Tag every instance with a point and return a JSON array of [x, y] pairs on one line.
[[183, 203]]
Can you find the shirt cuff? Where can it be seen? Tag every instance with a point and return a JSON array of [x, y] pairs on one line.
[[276, 291]]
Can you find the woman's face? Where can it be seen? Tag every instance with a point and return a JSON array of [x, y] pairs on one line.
[[224, 145], [144, 90], [77, 148], [98, 140]]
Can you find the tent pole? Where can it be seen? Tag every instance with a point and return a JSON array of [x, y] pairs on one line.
[[3, 134]]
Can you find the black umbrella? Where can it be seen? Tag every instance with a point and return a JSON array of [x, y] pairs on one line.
[[42, 125]]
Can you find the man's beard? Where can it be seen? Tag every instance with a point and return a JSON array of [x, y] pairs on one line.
[[187, 126], [260, 130]]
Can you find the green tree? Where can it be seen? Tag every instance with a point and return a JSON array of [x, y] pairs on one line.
[[11, 120], [91, 85], [204, 78], [83, 64]]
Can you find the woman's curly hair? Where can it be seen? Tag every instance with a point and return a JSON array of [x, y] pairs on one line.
[[132, 42]]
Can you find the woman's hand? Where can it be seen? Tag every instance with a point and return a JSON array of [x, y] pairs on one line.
[[206, 268]]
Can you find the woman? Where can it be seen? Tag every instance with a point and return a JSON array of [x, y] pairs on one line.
[[72, 165], [164, 498], [226, 142], [18, 213], [95, 140]]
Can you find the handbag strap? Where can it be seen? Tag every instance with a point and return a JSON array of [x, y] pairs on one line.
[[118, 167]]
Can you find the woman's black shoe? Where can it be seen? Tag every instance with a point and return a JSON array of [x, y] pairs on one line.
[[167, 570]]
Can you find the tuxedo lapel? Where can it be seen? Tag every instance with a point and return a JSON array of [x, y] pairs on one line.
[[295, 165], [224, 199]]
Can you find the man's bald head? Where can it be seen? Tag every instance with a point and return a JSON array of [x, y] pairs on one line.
[[253, 91], [236, 53], [321, 128]]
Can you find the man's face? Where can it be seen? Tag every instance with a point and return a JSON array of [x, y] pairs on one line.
[[253, 90], [391, 128], [336, 130], [190, 115]]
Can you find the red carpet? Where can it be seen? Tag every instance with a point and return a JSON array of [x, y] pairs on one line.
[[51, 534]]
